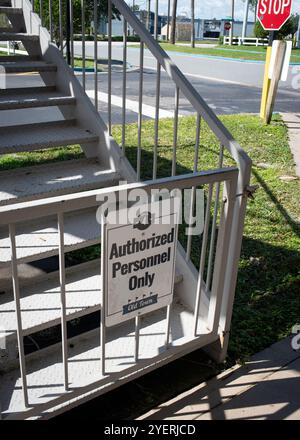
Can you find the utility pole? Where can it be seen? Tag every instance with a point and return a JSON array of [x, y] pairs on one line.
[[149, 15], [168, 21], [192, 23], [245, 23], [232, 22], [173, 22]]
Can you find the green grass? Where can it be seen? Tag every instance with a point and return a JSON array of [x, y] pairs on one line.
[[239, 52], [89, 64], [267, 301]]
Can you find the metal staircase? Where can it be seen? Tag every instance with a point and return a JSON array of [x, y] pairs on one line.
[[49, 210]]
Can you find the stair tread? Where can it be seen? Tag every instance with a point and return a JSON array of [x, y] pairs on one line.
[[48, 180], [40, 303], [41, 99], [45, 374], [18, 36], [15, 58], [39, 239], [36, 136], [10, 10], [28, 66]]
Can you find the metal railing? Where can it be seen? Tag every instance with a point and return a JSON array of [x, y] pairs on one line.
[[164, 65], [225, 188], [60, 206]]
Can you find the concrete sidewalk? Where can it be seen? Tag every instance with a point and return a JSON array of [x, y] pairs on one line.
[[265, 388], [292, 121]]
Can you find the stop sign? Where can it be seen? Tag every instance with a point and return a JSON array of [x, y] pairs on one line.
[[273, 13]]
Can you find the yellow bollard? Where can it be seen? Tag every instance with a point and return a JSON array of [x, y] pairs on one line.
[[266, 86]]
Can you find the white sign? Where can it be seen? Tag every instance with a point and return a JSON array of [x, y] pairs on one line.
[[139, 263], [286, 62]]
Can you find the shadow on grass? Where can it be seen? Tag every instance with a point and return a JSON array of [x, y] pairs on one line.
[[266, 306]]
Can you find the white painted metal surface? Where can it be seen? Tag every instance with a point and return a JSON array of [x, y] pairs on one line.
[[52, 179], [52, 216], [39, 239], [32, 137]]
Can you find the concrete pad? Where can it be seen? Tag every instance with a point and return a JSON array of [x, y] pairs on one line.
[[266, 387], [292, 121]]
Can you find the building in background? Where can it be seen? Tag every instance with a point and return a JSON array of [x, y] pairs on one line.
[[204, 28]]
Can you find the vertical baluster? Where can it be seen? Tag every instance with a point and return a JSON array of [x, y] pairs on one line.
[[175, 131], [62, 280], [214, 225], [137, 338], [103, 293], [193, 193], [140, 114], [72, 32], [16, 291], [51, 19], [83, 41], [109, 64], [168, 326], [156, 125], [96, 53], [203, 258], [61, 34], [124, 84]]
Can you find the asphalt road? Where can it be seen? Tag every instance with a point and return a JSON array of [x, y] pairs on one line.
[[228, 87]]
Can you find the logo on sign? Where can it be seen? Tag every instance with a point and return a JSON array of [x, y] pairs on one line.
[[139, 262]]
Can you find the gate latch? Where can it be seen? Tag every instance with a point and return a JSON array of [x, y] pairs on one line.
[[250, 190]]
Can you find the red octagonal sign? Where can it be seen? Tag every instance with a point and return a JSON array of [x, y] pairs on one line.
[[273, 13]]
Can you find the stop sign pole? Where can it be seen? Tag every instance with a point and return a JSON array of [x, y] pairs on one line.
[[272, 15]]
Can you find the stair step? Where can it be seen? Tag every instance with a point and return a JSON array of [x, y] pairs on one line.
[[39, 239], [42, 99], [18, 36], [49, 180], [28, 66], [32, 137], [12, 58], [10, 11], [47, 396], [40, 303], [27, 90]]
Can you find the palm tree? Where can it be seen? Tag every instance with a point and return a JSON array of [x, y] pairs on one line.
[[193, 23], [245, 22], [173, 22], [168, 22], [232, 22]]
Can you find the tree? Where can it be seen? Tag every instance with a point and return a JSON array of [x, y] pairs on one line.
[[173, 22], [288, 29], [193, 23], [259, 31], [89, 15], [253, 7]]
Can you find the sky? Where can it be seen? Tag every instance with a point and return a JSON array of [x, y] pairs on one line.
[[207, 8]]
